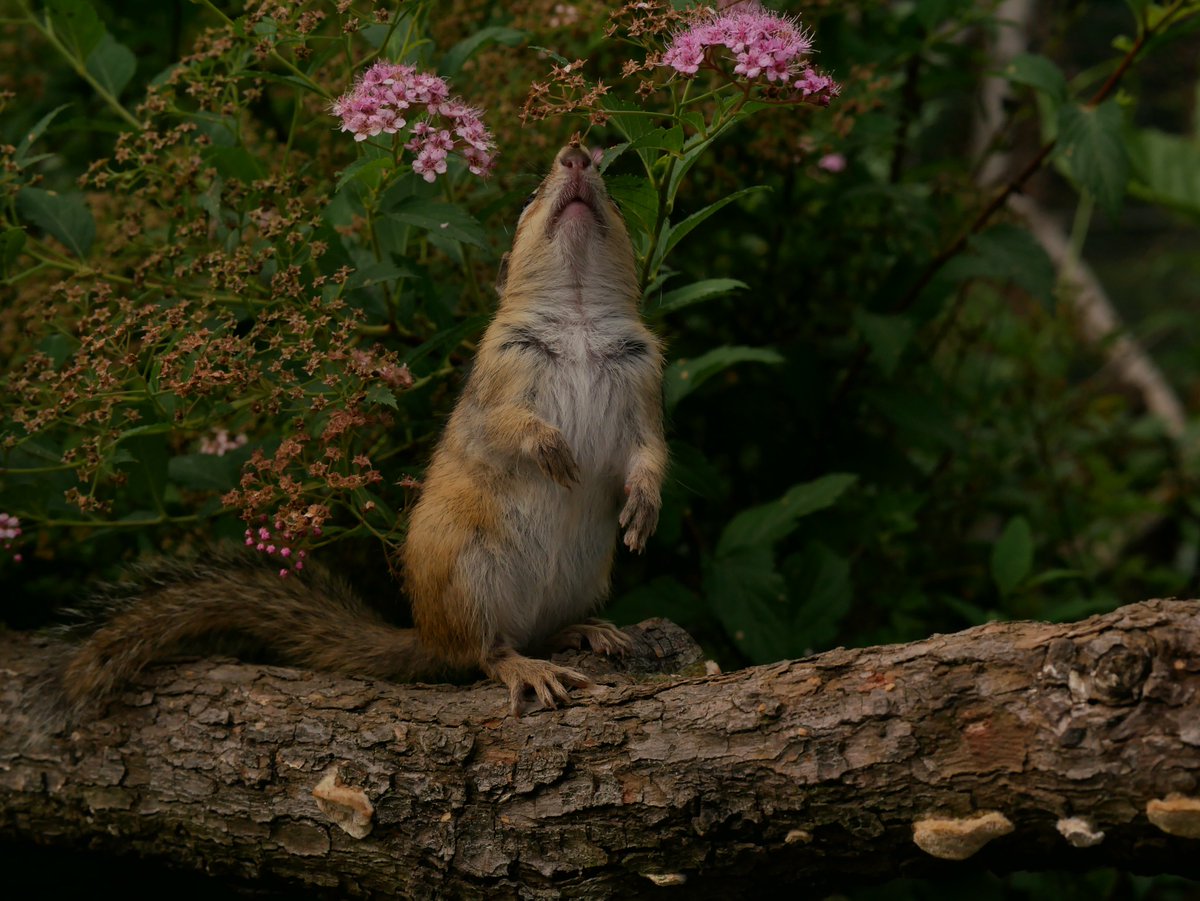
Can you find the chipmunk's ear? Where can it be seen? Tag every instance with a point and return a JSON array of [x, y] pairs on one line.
[[597, 156], [502, 274]]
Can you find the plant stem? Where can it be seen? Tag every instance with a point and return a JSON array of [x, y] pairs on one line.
[[79, 65]]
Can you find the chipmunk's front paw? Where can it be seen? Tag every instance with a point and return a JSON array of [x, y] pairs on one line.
[[639, 518], [555, 459]]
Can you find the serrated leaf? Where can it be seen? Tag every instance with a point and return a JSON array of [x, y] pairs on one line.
[[453, 61], [628, 118], [1166, 169], [1012, 555], [1039, 73], [65, 216], [818, 581], [112, 64], [766, 524], [1091, 147], [381, 394], [442, 219], [685, 376], [750, 599], [659, 139], [697, 292]]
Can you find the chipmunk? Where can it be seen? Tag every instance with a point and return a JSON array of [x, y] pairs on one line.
[[555, 443]]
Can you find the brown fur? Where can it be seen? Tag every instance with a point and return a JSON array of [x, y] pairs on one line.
[[555, 443]]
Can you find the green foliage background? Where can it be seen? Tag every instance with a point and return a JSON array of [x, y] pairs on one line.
[[885, 421]]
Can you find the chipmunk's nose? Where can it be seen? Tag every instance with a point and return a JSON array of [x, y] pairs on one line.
[[575, 158]]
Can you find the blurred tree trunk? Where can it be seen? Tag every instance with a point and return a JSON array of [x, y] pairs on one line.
[[1017, 745]]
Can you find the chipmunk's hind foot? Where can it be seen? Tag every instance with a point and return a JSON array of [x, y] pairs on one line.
[[602, 637], [549, 682]]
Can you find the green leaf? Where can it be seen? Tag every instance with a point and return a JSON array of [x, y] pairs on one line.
[[233, 162], [659, 139], [1007, 253], [453, 61], [1166, 169], [664, 596], [1012, 555], [677, 233], [65, 216], [442, 219], [76, 25], [921, 415], [367, 170], [1039, 73], [750, 599], [628, 118], [610, 154], [685, 376], [11, 242], [693, 294], [448, 339], [381, 394], [111, 64], [377, 273], [886, 336], [637, 199], [36, 132], [204, 472], [819, 582], [1091, 148], [764, 525]]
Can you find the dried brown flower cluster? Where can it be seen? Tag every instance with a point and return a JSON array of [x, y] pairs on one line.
[[211, 309]]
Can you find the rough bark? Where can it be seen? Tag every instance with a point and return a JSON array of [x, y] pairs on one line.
[[1017, 745]]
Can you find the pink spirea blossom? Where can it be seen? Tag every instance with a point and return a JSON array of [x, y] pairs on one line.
[[220, 442], [832, 162], [10, 531], [278, 543], [389, 98], [763, 46]]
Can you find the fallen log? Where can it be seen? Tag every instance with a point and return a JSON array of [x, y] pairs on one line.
[[1009, 746]]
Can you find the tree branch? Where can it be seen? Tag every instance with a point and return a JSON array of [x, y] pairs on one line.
[[1019, 745]]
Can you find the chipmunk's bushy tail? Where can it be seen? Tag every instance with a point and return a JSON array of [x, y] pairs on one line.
[[169, 607]]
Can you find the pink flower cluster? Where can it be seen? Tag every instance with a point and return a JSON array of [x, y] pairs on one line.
[[763, 44], [388, 95], [219, 443], [10, 531], [278, 544]]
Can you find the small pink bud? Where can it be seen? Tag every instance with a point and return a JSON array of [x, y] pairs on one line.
[[283, 574], [285, 552], [270, 548]]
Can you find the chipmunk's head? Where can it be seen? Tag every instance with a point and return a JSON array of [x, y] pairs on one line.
[[570, 229]]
